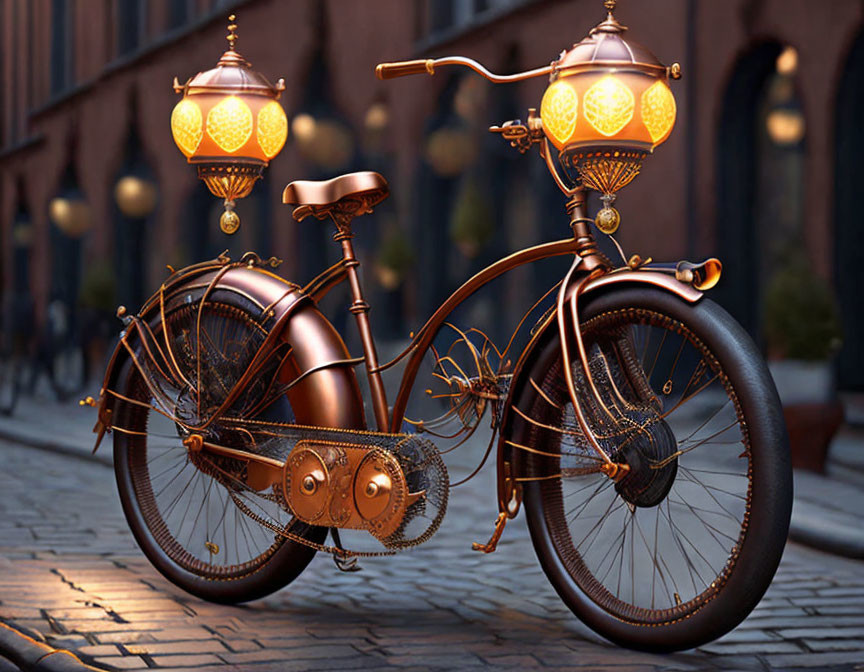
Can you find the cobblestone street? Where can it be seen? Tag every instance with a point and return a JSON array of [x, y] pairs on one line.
[[69, 569]]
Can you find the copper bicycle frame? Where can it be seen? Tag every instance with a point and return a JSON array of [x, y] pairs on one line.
[[589, 264], [423, 338]]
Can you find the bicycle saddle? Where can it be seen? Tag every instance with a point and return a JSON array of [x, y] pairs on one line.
[[341, 198]]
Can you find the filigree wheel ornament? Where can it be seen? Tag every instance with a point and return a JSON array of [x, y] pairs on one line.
[[657, 546], [468, 378], [189, 499]]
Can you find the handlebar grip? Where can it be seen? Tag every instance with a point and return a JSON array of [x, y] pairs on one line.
[[403, 68]]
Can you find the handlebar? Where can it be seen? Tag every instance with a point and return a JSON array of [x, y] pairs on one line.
[[428, 65], [403, 68], [520, 136]]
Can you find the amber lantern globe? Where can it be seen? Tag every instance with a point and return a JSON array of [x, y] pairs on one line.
[[230, 125], [607, 106]]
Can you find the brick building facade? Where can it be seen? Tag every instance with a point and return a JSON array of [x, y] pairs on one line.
[[85, 98]]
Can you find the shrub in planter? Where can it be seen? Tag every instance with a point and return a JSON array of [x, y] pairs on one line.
[[395, 259], [472, 224], [802, 332]]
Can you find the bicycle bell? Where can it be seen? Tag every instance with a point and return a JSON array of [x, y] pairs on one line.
[[229, 124], [608, 105]]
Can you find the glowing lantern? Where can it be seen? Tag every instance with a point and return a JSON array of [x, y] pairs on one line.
[[607, 106], [230, 125]]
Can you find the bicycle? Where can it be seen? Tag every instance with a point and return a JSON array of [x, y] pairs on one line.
[[10, 375], [639, 426], [15, 350]]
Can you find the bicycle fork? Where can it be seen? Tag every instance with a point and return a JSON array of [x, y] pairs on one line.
[[588, 265]]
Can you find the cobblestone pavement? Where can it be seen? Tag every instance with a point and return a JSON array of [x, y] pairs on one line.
[[69, 569]]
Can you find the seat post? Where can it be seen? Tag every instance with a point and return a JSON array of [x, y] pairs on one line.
[[360, 308]]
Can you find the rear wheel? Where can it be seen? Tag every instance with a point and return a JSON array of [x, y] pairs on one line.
[[683, 548], [191, 512]]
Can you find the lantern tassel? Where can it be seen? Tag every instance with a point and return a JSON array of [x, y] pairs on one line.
[[229, 222]]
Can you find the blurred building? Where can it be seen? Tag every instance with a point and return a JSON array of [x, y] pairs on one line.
[[762, 170]]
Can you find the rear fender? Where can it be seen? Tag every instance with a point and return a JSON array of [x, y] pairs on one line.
[[328, 396], [509, 465]]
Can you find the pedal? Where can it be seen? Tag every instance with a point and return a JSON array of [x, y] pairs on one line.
[[492, 544], [343, 563]]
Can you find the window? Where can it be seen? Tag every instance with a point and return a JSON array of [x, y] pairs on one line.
[[179, 13], [848, 232], [444, 17], [62, 40], [130, 18]]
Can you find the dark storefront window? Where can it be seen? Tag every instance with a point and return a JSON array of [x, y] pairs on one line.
[[737, 192]]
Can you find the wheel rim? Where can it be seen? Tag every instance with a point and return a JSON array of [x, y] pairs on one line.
[[650, 558], [193, 503]]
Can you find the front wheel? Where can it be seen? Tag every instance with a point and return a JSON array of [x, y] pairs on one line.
[[680, 551]]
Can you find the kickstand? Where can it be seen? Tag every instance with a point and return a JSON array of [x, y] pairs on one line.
[[343, 562], [492, 544]]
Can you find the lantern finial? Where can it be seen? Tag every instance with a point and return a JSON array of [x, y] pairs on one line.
[[232, 31], [610, 5]]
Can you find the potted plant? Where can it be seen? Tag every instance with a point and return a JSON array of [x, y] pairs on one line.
[[472, 224], [802, 332], [395, 258]]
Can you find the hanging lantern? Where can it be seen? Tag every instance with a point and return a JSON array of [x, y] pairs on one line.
[[229, 124], [135, 196], [324, 141], [70, 212], [607, 106]]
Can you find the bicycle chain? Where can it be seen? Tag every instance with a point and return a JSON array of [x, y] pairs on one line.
[[220, 475], [333, 550]]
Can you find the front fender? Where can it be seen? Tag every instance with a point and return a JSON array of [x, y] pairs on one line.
[[329, 396], [509, 490]]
